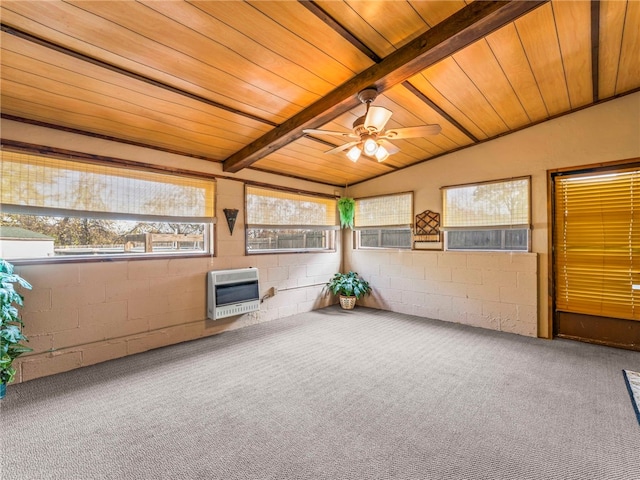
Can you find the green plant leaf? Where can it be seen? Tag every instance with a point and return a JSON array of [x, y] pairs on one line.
[[11, 334]]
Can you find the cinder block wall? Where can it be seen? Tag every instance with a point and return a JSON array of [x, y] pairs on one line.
[[497, 290], [83, 313]]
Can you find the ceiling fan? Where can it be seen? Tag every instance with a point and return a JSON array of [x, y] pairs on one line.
[[370, 136]]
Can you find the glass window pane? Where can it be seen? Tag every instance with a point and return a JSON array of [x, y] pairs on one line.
[[30, 236], [504, 239], [276, 207], [32, 183], [487, 204], [385, 238], [386, 210], [259, 239]]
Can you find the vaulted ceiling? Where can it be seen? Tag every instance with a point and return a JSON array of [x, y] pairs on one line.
[[238, 82]]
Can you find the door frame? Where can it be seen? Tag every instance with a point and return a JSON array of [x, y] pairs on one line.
[[572, 321]]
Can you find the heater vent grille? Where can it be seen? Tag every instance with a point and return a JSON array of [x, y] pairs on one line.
[[232, 292]]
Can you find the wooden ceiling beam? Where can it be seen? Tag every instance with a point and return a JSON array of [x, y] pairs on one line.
[[595, 49], [319, 12], [466, 26]]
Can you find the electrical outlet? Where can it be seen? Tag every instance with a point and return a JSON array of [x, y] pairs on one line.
[[274, 291]]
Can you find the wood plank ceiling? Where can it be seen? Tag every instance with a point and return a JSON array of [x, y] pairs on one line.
[[237, 82]]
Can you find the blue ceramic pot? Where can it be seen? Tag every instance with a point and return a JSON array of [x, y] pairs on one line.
[[3, 390]]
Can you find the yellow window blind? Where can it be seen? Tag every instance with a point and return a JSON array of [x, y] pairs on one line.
[[33, 184], [597, 244], [384, 211], [267, 207]]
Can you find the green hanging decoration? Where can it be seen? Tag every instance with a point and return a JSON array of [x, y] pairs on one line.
[[347, 209]]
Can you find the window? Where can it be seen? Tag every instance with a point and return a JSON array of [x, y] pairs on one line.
[[487, 216], [65, 208], [279, 220], [384, 221]]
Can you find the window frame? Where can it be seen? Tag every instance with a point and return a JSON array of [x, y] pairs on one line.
[[296, 195], [502, 227], [76, 160], [358, 229]]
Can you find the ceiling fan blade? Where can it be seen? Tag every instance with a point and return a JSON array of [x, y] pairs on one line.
[[389, 147], [377, 118], [412, 132], [330, 132], [342, 148]]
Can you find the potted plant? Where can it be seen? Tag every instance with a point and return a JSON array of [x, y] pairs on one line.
[[349, 286], [10, 323]]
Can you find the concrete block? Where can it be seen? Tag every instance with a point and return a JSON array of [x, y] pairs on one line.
[[466, 275], [80, 336], [482, 321], [49, 364], [127, 289], [451, 289], [103, 351], [40, 343], [102, 313], [439, 274], [277, 274], [50, 275], [84, 294], [520, 296], [147, 269], [423, 259], [45, 322], [103, 272], [155, 339], [36, 300], [466, 306], [287, 310], [413, 298], [499, 277], [484, 292], [391, 270], [452, 259], [147, 306], [412, 272]]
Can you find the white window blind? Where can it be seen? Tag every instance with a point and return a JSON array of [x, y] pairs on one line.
[[501, 204], [597, 244], [277, 208], [35, 184], [384, 211]]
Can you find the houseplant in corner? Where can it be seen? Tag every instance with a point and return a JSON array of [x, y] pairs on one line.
[[349, 286], [10, 323]]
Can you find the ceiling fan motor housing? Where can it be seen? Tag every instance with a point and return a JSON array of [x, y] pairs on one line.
[[368, 95], [358, 126]]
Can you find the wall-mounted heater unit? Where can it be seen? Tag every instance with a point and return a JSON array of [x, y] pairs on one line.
[[232, 292]]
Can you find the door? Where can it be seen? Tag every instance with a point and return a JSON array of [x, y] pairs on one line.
[[596, 256]]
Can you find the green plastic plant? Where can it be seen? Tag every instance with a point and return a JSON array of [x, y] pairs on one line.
[[349, 285], [347, 209], [10, 322]]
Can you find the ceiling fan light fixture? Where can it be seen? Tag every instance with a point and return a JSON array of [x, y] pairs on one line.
[[370, 146], [377, 118], [381, 154], [354, 153]]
